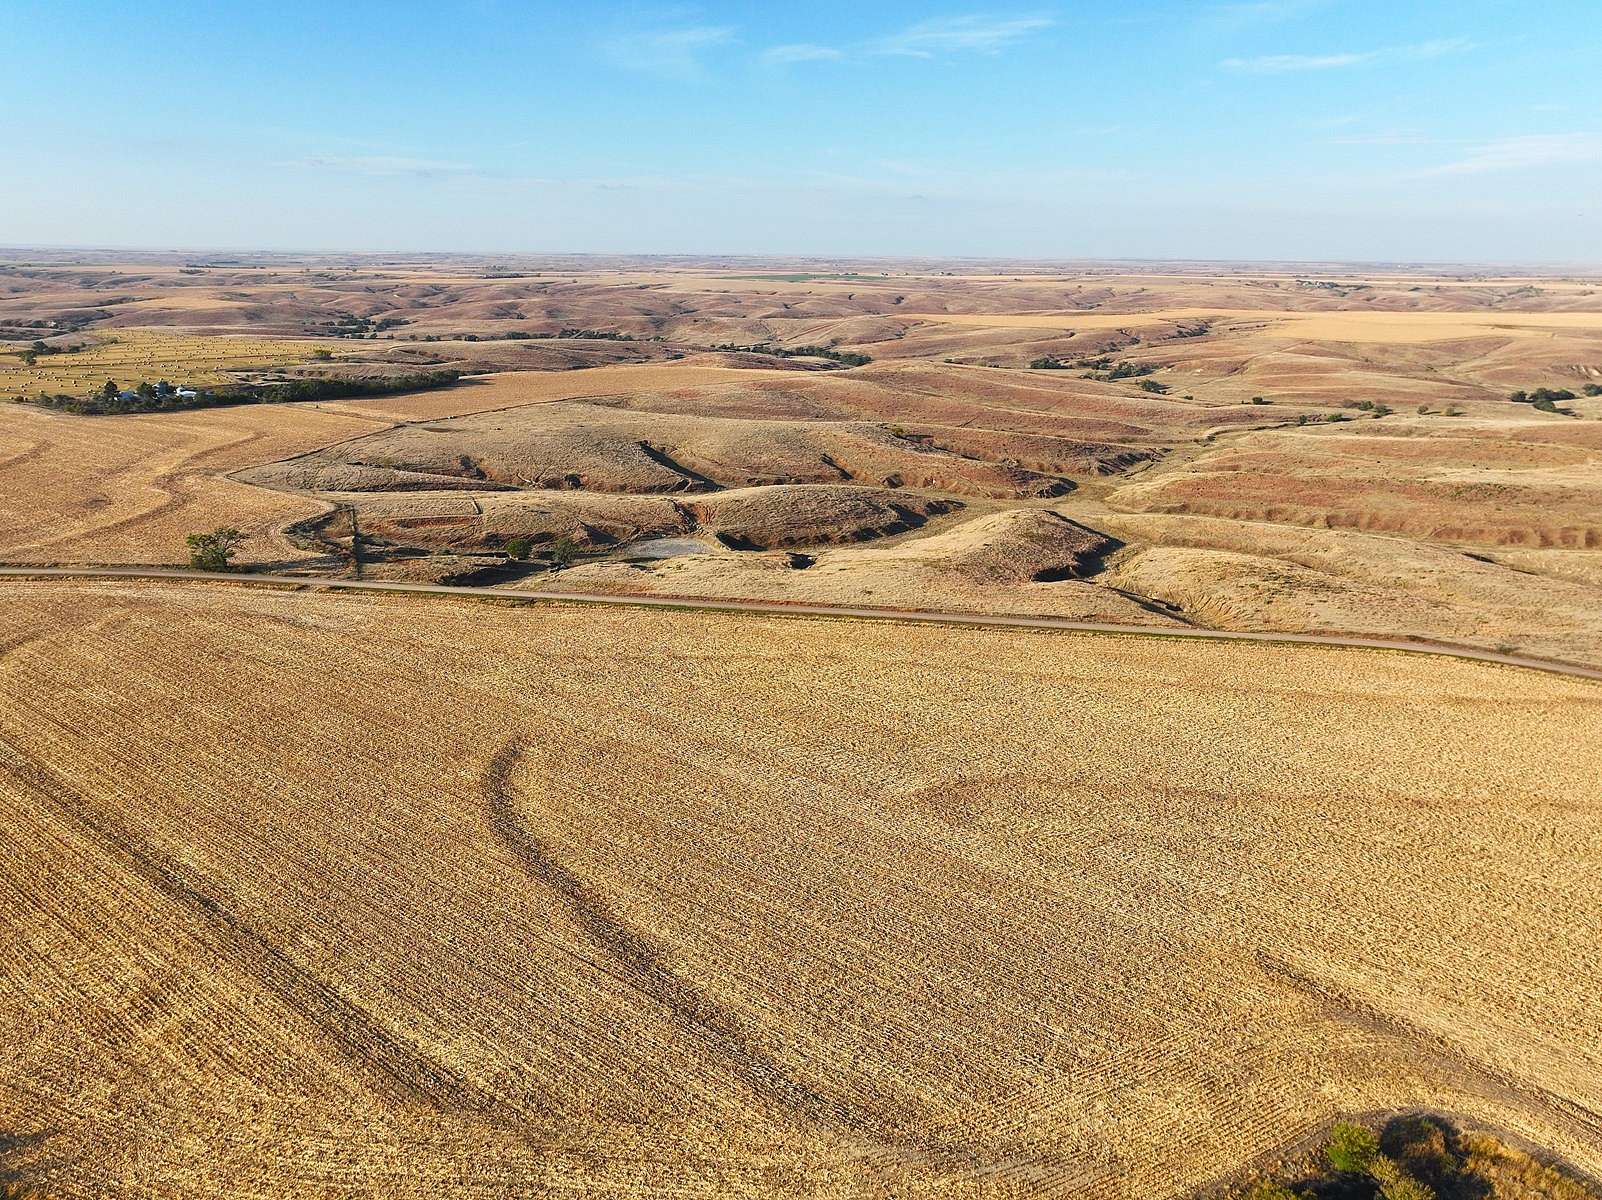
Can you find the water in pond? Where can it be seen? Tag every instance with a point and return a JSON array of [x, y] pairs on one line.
[[667, 547]]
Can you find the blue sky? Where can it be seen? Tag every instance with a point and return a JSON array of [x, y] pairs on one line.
[[1258, 129]]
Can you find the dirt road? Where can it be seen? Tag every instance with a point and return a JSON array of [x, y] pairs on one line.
[[316, 583]]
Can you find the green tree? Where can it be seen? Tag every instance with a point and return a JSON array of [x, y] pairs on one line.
[[213, 551], [1352, 1148], [517, 548], [110, 389], [563, 552]]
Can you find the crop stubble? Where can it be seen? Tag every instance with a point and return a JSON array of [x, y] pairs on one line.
[[556, 901]]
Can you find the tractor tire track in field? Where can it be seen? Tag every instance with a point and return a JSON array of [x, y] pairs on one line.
[[642, 967], [23, 457], [393, 1066], [1462, 1068], [176, 485]]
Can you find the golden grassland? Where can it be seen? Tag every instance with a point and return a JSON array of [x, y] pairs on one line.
[[344, 896], [1336, 326], [509, 389], [132, 355]]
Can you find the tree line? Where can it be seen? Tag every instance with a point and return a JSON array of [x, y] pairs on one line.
[[112, 399]]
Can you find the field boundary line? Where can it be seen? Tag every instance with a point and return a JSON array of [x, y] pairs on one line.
[[803, 609]]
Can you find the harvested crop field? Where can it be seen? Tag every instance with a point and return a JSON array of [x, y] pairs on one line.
[[341, 896], [132, 355], [129, 489]]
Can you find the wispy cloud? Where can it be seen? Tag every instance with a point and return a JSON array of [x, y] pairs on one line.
[[1278, 64], [381, 165], [799, 52], [668, 53], [1523, 153], [975, 33], [1259, 13], [1395, 138], [1275, 64]]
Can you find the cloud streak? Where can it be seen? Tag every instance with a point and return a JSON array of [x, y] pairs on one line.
[[382, 165], [1523, 153], [1280, 64], [668, 53], [800, 52], [973, 33]]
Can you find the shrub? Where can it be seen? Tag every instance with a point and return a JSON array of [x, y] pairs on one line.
[[1352, 1148], [518, 548], [1424, 1147], [1422, 409], [1518, 397], [563, 553], [1272, 1191], [1258, 400], [213, 551], [1395, 1183], [1592, 389], [1151, 385]]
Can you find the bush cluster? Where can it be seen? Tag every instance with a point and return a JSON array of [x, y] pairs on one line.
[[849, 358]]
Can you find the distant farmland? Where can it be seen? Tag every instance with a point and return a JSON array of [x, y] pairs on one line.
[[132, 355], [345, 896]]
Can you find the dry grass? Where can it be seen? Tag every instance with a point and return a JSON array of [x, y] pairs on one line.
[[343, 896], [132, 355], [1518, 482], [1381, 327], [932, 412], [509, 389]]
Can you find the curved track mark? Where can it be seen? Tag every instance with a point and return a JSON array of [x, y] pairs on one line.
[[643, 968], [1580, 1122], [392, 1065]]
